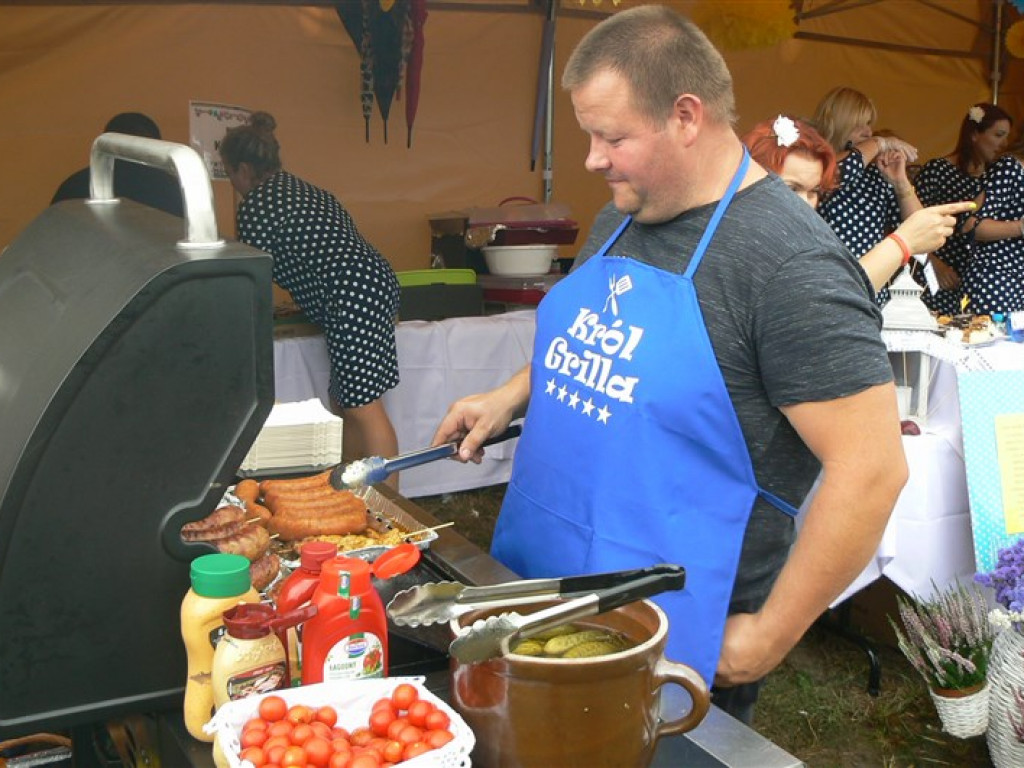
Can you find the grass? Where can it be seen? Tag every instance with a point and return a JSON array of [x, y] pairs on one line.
[[815, 705]]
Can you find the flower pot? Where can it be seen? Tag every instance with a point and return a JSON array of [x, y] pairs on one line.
[[1005, 676], [963, 712]]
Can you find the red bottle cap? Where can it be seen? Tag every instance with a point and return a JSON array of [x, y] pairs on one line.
[[313, 554]]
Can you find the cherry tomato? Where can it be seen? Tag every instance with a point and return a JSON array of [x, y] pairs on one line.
[[365, 760], [293, 756], [410, 735], [300, 713], [254, 737], [393, 751], [275, 753], [415, 749], [301, 733], [396, 727], [380, 720], [404, 695], [273, 708], [254, 755], [280, 728], [318, 751], [360, 737], [418, 712], [326, 715], [438, 720], [437, 738]]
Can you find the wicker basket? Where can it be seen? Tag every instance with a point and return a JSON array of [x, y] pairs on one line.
[[963, 713], [1005, 676]]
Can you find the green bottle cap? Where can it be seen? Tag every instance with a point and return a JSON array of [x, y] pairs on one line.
[[220, 575]]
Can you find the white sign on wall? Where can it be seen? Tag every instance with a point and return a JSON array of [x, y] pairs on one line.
[[208, 122]]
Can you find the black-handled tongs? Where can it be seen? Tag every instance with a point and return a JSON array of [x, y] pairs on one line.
[[439, 602], [494, 635]]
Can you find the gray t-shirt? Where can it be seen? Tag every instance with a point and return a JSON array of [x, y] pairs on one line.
[[790, 316]]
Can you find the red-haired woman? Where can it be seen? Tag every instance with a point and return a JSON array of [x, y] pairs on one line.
[[958, 176], [806, 162]]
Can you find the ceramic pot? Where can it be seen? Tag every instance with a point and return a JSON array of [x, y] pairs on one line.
[[600, 712]]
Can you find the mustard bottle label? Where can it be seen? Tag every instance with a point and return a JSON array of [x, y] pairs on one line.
[[355, 656], [262, 679]]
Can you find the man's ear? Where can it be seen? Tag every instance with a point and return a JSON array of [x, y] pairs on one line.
[[688, 112]]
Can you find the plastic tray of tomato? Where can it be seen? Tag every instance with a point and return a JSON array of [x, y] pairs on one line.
[[352, 707]]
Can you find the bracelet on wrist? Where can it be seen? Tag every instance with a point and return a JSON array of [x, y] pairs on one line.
[[1021, 222], [903, 247]]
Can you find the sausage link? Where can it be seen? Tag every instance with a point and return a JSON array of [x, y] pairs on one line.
[[346, 503], [222, 522], [251, 542], [296, 483], [295, 528]]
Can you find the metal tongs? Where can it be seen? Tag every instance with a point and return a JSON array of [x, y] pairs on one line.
[[376, 469]]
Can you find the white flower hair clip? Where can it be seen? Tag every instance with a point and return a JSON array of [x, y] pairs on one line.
[[977, 114], [786, 132]]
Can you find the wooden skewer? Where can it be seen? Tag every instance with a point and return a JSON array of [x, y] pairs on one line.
[[253, 520], [410, 534]]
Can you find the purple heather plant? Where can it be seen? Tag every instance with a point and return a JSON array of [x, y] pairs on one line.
[[1007, 582]]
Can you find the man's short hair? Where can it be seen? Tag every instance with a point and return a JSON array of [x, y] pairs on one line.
[[134, 124]]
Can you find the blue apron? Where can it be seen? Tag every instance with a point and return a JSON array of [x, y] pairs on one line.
[[633, 453]]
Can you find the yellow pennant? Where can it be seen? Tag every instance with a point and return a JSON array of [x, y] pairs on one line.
[[964, 301]]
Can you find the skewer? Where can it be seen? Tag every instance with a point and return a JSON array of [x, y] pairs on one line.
[[253, 520], [410, 534]]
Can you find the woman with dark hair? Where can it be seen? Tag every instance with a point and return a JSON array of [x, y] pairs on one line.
[[958, 176], [874, 193], [806, 162], [336, 277], [994, 277]]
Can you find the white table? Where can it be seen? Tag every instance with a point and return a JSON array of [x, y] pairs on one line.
[[928, 539], [438, 362]]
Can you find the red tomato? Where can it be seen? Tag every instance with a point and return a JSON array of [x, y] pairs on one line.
[[340, 745], [254, 737], [275, 753], [323, 730], [318, 751], [438, 720], [418, 712], [254, 755], [274, 741], [404, 695], [339, 760], [326, 715], [300, 713], [301, 733], [365, 760], [380, 720], [360, 737], [273, 708], [293, 756], [280, 728], [255, 724], [415, 749], [393, 751], [410, 735], [339, 733], [437, 738], [381, 704], [396, 727]]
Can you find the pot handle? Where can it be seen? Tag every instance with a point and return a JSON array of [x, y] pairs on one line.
[[184, 162], [666, 672]]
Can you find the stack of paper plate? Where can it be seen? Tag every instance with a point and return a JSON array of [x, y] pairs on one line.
[[295, 435]]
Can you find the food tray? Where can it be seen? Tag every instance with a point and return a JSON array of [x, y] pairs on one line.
[[353, 699]]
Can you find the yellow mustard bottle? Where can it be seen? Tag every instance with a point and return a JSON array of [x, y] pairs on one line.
[[219, 582]]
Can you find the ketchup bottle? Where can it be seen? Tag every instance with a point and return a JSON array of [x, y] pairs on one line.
[[348, 637], [296, 591]]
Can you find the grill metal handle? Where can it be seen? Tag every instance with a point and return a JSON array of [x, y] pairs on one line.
[[184, 162]]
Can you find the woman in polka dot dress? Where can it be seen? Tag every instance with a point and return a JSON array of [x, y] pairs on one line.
[[995, 272], [874, 193], [339, 280], [958, 176]]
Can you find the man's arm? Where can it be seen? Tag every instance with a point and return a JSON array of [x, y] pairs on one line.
[[475, 418], [857, 439]]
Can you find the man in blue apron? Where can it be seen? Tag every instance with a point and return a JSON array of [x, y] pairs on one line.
[[713, 340]]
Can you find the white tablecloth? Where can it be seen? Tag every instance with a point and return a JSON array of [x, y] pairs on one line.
[[439, 362], [928, 539]]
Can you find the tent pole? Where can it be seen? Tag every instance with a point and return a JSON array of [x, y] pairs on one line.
[[997, 50]]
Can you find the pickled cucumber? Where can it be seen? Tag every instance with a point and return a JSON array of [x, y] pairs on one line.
[[557, 646], [561, 629], [594, 648], [529, 647]]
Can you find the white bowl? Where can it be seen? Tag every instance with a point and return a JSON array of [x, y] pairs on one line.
[[519, 260]]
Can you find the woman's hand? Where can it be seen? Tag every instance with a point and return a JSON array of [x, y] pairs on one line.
[[928, 229], [949, 278]]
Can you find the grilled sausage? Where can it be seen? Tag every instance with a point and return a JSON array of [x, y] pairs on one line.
[[251, 542], [343, 503], [264, 571], [296, 483], [293, 528], [223, 521], [275, 496], [247, 490]]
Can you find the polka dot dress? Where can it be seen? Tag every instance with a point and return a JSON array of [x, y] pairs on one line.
[[863, 210], [339, 281], [942, 182], [994, 278]]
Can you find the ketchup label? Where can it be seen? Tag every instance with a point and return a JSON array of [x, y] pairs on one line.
[[344, 583], [355, 656], [262, 679]]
